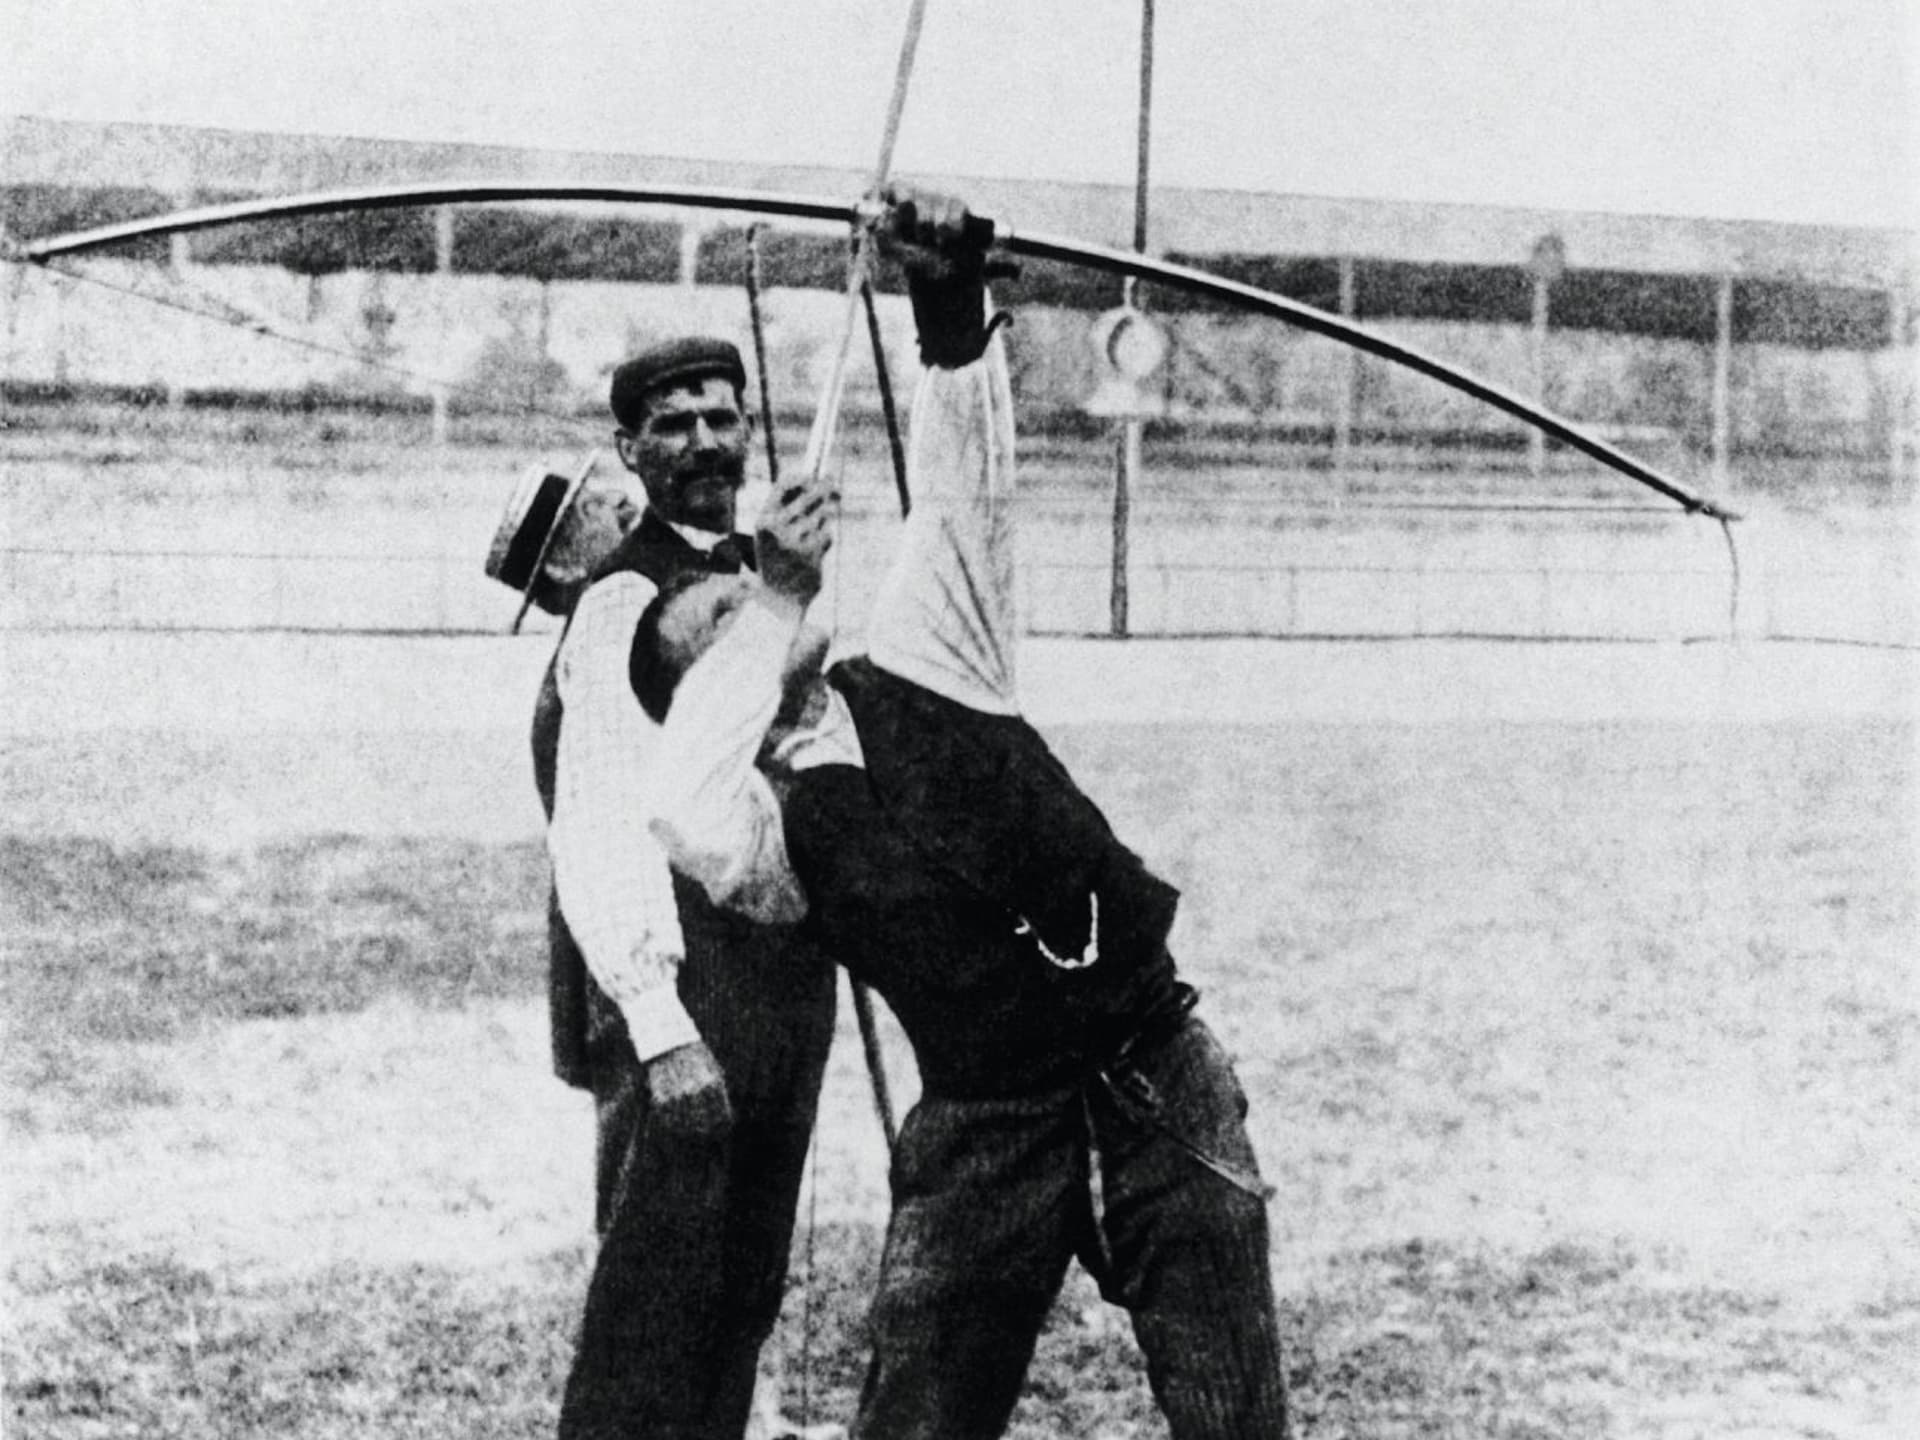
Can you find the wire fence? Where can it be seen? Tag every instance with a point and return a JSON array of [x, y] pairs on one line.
[[117, 520], [52, 588]]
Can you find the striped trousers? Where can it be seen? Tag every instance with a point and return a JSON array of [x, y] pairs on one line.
[[695, 1230], [1147, 1177]]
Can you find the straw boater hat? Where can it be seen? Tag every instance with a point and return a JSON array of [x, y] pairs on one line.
[[533, 520], [541, 500]]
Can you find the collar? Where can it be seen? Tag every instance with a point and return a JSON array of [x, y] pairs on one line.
[[701, 540]]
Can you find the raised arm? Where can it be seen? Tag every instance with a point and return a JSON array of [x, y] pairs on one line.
[[712, 810], [946, 615]]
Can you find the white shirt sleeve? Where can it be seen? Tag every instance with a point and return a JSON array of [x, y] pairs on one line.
[[612, 878], [713, 811], [946, 614]]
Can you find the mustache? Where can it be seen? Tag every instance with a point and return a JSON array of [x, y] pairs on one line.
[[722, 467]]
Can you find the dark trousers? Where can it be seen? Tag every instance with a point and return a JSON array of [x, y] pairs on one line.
[[993, 1198], [695, 1233]]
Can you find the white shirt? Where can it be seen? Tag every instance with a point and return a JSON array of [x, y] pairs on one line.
[[945, 618], [611, 875]]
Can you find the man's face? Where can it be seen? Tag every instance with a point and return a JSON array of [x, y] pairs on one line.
[[695, 617], [690, 451], [700, 614], [599, 519]]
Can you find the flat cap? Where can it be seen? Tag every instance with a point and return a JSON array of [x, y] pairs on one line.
[[676, 362]]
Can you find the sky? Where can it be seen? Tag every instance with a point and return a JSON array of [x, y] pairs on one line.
[[1796, 110]]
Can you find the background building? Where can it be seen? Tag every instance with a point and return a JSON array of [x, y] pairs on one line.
[[1735, 346], [299, 380]]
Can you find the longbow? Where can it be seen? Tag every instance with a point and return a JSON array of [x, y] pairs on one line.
[[805, 207]]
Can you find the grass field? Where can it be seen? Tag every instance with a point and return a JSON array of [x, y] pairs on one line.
[[1573, 986], [1585, 1059]]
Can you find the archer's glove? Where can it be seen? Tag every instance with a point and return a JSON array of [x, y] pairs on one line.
[[943, 248]]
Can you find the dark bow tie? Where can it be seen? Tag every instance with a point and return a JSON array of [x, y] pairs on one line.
[[733, 552]]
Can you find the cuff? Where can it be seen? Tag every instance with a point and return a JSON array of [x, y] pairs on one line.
[[659, 1025]]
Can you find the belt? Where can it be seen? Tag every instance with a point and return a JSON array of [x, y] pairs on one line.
[[1135, 1095]]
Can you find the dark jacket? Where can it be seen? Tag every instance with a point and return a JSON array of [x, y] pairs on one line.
[[922, 870]]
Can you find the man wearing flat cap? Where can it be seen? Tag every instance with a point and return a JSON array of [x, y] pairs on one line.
[[701, 1035]]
